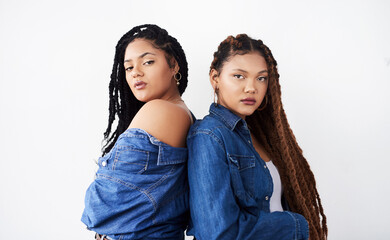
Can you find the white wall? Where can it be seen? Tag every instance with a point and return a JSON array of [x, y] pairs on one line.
[[55, 63]]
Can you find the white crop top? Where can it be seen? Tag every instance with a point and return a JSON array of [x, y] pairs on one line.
[[276, 198]]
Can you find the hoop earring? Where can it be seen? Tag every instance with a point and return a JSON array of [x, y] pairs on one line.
[[177, 78], [266, 102], [215, 96]]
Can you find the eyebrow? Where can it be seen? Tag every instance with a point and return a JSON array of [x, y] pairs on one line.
[[241, 70], [141, 56]]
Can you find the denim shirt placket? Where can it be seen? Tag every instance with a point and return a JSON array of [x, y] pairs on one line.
[[244, 133]]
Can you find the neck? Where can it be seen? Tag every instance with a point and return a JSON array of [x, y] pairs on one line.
[[175, 99], [172, 95]]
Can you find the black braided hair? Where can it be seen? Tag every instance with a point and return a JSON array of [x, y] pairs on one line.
[[122, 101]]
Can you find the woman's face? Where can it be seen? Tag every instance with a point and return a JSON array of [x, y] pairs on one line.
[[242, 83], [147, 71]]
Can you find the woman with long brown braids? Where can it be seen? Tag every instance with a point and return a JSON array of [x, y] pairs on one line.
[[248, 177]]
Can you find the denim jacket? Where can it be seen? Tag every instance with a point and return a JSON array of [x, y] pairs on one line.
[[231, 186], [140, 190]]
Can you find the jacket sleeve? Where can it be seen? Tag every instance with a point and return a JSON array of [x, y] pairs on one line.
[[214, 212]]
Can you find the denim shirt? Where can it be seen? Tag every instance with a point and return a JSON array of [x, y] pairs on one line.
[[140, 190], [231, 186]]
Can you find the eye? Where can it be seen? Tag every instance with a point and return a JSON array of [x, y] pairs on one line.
[[149, 62], [129, 68], [263, 79], [238, 76]]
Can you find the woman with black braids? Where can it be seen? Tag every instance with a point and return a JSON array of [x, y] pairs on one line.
[[141, 188], [248, 178]]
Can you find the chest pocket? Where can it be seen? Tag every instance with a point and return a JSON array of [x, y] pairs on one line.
[[242, 175], [130, 160]]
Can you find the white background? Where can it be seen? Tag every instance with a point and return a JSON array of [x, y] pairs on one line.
[[55, 63]]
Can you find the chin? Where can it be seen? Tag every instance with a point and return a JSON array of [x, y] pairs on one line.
[[248, 112], [142, 98]]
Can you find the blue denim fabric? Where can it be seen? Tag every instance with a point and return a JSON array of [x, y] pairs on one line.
[[140, 190], [230, 185]]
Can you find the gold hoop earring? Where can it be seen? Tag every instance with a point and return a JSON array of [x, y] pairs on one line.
[[215, 96], [177, 78], [266, 102]]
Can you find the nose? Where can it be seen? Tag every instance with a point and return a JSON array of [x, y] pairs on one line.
[[136, 72], [250, 86]]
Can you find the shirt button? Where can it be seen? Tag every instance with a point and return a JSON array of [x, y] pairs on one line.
[[266, 198], [265, 166], [104, 163], [249, 141]]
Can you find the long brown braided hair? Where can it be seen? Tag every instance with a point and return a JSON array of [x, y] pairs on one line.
[[271, 129]]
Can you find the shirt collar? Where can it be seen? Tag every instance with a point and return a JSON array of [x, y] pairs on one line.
[[230, 119]]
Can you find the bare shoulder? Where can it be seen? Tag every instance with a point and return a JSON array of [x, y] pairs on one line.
[[166, 121]]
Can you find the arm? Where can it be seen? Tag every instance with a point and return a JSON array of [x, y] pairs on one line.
[[215, 213]]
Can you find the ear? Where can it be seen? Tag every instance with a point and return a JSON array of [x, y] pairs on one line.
[[175, 67], [214, 78]]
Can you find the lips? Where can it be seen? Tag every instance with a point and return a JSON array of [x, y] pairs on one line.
[[248, 101], [139, 85]]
